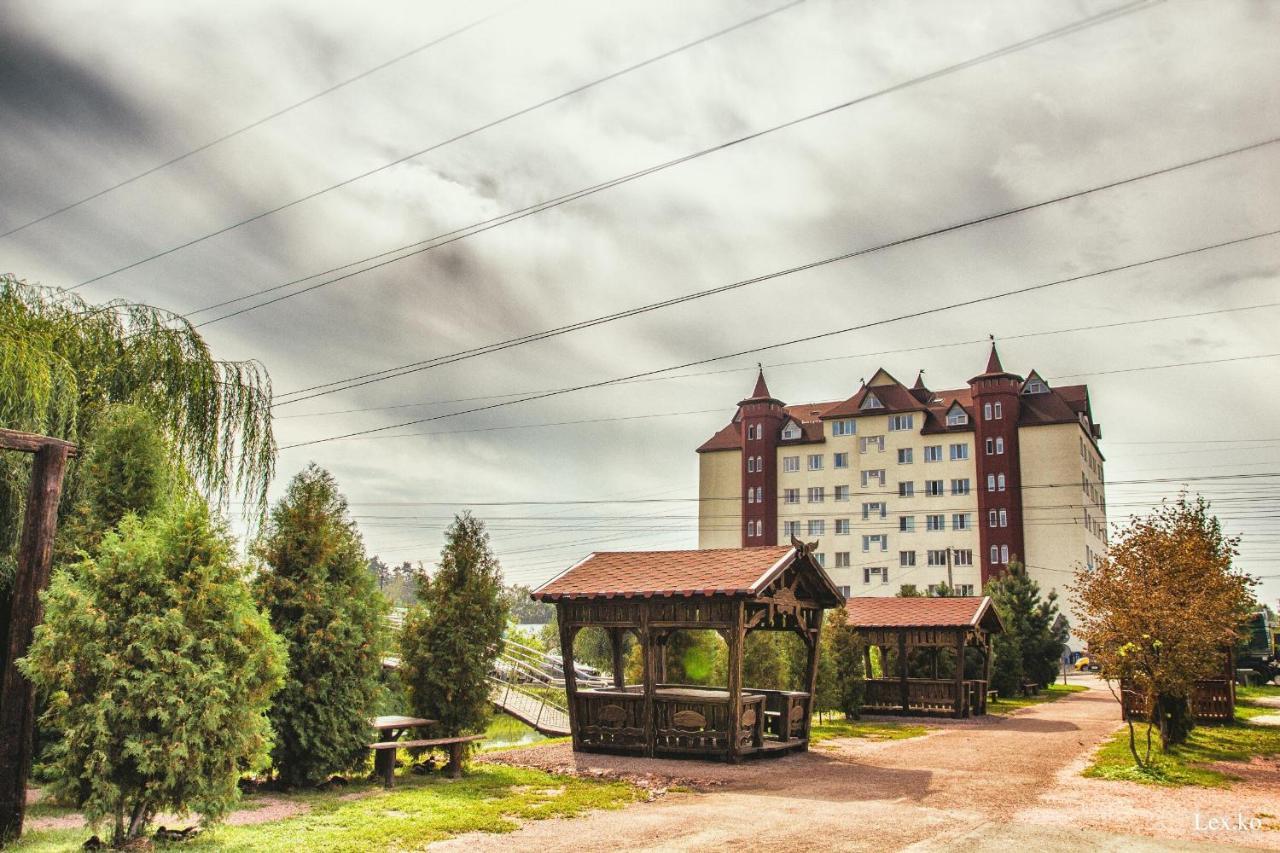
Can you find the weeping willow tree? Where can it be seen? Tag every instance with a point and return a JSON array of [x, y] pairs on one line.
[[63, 362]]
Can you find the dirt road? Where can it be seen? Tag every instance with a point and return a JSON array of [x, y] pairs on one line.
[[988, 784]]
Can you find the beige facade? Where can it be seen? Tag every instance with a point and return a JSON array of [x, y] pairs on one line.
[[720, 499]]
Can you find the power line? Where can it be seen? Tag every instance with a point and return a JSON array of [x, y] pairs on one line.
[[1166, 366], [434, 146], [824, 359], [428, 244], [261, 121], [807, 338], [452, 358]]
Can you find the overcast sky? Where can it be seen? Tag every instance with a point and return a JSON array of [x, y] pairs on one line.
[[92, 94]]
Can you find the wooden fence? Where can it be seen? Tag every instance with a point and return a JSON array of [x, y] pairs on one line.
[[1213, 700]]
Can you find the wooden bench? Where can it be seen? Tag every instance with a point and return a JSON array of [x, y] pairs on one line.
[[454, 744], [1030, 688], [993, 696]]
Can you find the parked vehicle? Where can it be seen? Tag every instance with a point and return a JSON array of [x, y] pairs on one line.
[[1085, 663], [1258, 652]]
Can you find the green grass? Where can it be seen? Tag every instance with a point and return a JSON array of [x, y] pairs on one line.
[[1258, 692], [420, 810], [819, 732], [1052, 693], [1185, 765]]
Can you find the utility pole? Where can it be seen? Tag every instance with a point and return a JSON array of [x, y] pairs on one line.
[[950, 583]]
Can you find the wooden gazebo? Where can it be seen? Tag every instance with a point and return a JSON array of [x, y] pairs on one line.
[[904, 625], [654, 594]]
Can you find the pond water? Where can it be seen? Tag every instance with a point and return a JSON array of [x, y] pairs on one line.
[[505, 732]]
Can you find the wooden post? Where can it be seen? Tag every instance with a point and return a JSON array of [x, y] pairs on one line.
[[17, 695], [902, 672], [650, 665], [814, 638], [737, 638], [615, 638], [567, 633], [961, 706]]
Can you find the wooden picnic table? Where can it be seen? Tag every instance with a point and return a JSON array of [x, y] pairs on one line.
[[393, 727]]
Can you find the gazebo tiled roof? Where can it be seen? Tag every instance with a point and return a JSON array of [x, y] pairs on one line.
[[918, 612], [645, 574]]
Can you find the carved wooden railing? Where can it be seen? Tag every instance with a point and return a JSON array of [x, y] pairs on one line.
[[923, 694], [611, 719]]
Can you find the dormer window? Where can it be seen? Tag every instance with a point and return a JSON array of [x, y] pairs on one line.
[[957, 417], [1035, 386], [871, 401], [791, 431]]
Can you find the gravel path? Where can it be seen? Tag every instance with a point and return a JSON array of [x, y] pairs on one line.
[[994, 783]]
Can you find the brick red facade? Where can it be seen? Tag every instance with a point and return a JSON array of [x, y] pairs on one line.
[[760, 424], [996, 402]]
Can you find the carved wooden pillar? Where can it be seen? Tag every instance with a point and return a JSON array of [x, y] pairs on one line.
[[17, 695], [650, 651], [961, 706], [567, 633], [615, 640], [737, 637], [902, 672], [814, 639]]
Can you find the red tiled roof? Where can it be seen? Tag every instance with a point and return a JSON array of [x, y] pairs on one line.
[[883, 612], [627, 574]]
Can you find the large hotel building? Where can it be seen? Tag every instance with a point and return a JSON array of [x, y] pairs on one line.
[[906, 485]]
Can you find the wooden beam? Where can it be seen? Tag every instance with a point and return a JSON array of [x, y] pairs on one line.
[[960, 709], [17, 695], [29, 442], [736, 641], [902, 672], [615, 640], [567, 634]]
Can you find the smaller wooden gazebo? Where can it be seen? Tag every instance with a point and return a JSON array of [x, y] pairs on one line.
[[904, 625], [654, 594]]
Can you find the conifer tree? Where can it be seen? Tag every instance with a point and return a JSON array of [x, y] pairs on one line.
[[847, 651], [159, 670], [454, 633], [321, 599], [1030, 648]]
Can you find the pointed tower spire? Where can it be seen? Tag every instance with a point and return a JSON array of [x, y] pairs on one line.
[[761, 391], [919, 386], [993, 363]]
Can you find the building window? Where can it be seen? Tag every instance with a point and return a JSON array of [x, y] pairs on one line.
[[879, 540], [751, 464], [842, 527], [959, 451], [1035, 386], [842, 493], [878, 572], [986, 411], [960, 486], [817, 494], [844, 591], [933, 453], [791, 431], [907, 523], [906, 558], [995, 555], [751, 496], [815, 461], [876, 474], [821, 559], [991, 482], [1000, 482], [1004, 554], [906, 488], [935, 488], [842, 559], [873, 508], [791, 496], [791, 528], [904, 455], [991, 446], [901, 422], [751, 529], [844, 427], [1004, 518], [999, 411], [791, 464], [817, 527], [999, 445], [957, 417], [840, 460], [993, 518], [871, 441], [961, 520], [962, 557], [759, 528], [938, 557], [935, 522], [965, 590]]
